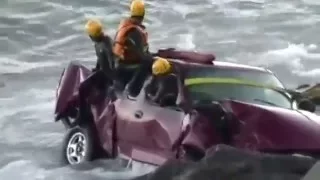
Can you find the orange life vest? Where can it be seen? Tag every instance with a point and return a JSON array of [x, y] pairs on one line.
[[119, 47]]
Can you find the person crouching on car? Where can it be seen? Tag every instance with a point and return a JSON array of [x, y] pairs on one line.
[[133, 60], [163, 83], [102, 45]]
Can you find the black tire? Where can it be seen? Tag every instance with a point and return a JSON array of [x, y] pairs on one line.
[[90, 145]]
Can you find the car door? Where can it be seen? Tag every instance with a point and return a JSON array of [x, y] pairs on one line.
[[161, 134], [145, 131]]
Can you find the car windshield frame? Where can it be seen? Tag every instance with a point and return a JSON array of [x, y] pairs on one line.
[[257, 76], [233, 81]]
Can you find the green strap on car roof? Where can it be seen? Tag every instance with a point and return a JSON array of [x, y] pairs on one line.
[[195, 81]]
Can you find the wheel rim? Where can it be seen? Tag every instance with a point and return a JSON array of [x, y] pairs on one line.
[[76, 148]]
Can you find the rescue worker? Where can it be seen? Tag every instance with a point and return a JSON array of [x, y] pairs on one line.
[[101, 79], [102, 45], [164, 85], [133, 60]]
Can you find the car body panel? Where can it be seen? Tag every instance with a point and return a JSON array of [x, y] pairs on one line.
[[155, 133], [200, 132], [267, 127], [69, 83], [104, 115]]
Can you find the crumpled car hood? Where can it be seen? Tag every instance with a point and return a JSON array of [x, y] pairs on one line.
[[274, 128]]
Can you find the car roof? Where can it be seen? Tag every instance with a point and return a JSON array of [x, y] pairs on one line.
[[237, 66], [193, 59], [223, 64]]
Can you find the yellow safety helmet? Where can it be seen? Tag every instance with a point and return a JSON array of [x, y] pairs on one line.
[[94, 28], [161, 66], [137, 8]]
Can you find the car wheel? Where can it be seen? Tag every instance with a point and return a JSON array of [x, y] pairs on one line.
[[78, 145]]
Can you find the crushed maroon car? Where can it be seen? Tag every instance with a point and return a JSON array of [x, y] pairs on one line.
[[216, 103]]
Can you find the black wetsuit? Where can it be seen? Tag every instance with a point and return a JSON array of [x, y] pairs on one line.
[[102, 76], [162, 87], [105, 58]]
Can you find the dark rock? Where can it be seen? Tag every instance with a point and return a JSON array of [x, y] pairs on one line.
[[267, 162], [217, 171], [235, 171], [168, 170], [227, 163], [224, 153]]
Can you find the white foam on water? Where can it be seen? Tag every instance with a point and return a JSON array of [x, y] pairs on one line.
[[28, 170], [15, 66], [280, 7], [21, 170], [234, 11], [31, 15], [139, 168], [54, 43], [186, 41], [31, 131], [133, 169], [293, 56], [311, 2], [30, 96], [61, 6], [24, 113], [183, 9]]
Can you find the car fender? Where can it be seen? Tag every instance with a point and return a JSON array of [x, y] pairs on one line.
[[270, 128], [104, 115], [199, 132]]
